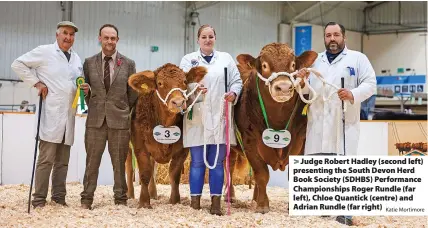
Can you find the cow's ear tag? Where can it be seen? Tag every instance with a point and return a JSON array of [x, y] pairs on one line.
[[166, 135], [144, 86], [276, 139]]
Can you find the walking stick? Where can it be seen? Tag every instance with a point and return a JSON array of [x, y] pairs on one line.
[[35, 151], [226, 104], [342, 79]]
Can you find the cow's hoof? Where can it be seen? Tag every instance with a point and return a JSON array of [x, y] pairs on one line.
[[262, 210], [174, 200], [147, 206], [232, 199], [130, 196]]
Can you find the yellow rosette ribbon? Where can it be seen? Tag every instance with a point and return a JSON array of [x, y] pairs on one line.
[[79, 93]]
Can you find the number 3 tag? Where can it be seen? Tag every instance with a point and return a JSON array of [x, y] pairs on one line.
[[276, 139], [166, 135]]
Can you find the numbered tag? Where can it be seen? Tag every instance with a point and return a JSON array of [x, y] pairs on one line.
[[166, 135], [276, 139]]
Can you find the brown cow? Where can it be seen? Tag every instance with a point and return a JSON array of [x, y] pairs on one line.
[[403, 147], [149, 112], [273, 58], [420, 146]]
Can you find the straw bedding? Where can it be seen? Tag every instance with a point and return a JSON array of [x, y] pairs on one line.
[[162, 177], [13, 206]]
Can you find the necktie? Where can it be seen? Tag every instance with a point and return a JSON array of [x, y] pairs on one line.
[[107, 72], [67, 55], [208, 58]]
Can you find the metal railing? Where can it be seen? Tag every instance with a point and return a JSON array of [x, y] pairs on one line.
[[17, 108]]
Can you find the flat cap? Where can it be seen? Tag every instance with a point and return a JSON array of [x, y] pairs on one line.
[[67, 23]]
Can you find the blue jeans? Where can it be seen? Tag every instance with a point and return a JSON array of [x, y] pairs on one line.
[[197, 169]]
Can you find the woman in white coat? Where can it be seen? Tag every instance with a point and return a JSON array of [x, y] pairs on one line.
[[206, 125]]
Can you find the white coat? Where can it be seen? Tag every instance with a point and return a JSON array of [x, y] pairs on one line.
[[325, 129], [48, 64], [205, 124]]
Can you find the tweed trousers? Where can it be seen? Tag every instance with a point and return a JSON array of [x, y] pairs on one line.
[[118, 145]]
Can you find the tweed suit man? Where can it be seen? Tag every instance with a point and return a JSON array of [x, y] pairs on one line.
[[109, 100]]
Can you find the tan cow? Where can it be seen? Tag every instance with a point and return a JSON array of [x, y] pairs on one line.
[[282, 104], [149, 112]]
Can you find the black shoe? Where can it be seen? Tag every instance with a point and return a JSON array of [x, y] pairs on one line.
[[124, 203], [344, 220]]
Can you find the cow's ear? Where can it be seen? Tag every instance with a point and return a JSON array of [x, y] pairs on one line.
[[247, 63], [196, 74], [143, 82], [306, 59]]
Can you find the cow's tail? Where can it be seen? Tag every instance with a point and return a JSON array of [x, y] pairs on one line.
[[242, 166]]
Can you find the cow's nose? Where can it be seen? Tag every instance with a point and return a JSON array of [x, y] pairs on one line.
[[178, 102], [282, 87]]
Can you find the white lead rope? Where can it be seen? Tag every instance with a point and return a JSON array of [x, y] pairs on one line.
[[164, 101], [218, 135], [296, 84], [186, 96]]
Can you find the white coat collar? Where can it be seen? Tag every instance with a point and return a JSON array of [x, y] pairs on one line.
[[343, 53], [201, 58], [59, 49]]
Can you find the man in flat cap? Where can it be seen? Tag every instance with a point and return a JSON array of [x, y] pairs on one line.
[[53, 69]]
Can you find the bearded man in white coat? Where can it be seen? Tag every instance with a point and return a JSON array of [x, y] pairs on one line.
[[53, 69], [324, 135]]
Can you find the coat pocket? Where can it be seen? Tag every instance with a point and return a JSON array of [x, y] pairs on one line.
[[121, 105]]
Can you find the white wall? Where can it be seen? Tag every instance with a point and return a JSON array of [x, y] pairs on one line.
[[392, 51], [17, 150], [241, 27]]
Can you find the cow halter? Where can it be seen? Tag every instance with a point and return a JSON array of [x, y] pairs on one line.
[[295, 84], [186, 96]]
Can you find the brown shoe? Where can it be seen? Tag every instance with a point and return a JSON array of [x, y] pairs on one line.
[[195, 202], [216, 205], [63, 203], [86, 206], [39, 205]]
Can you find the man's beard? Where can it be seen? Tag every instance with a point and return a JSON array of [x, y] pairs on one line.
[[337, 47]]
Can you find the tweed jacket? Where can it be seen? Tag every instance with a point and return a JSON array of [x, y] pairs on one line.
[[115, 105]]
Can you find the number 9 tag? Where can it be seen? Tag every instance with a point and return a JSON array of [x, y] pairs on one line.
[[166, 135], [276, 139]]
